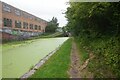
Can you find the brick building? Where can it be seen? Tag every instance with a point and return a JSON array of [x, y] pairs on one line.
[[17, 22]]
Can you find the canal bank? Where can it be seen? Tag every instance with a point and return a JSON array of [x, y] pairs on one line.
[[18, 60], [58, 64]]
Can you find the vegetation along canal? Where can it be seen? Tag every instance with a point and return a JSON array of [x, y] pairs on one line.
[[18, 58]]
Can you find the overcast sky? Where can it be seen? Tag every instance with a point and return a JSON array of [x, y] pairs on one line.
[[44, 9]]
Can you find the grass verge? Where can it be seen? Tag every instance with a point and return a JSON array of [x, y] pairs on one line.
[[83, 53], [58, 65]]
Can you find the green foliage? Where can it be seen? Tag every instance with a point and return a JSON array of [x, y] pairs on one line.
[[97, 27], [84, 55], [93, 19], [106, 51], [52, 25], [58, 65], [107, 57]]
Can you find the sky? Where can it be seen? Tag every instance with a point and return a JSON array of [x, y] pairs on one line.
[[45, 9]]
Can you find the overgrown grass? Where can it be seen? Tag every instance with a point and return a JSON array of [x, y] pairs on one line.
[[106, 50], [58, 65], [106, 62], [83, 53]]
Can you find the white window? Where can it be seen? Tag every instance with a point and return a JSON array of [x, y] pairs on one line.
[[17, 12], [6, 8]]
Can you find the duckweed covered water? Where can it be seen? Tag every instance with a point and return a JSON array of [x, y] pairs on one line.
[[18, 60], [0, 62]]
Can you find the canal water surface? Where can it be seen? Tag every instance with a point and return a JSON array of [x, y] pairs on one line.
[[18, 60]]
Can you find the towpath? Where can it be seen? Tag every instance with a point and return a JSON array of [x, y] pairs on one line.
[[78, 70]]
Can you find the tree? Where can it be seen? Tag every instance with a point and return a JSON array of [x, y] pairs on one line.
[[94, 18], [95, 23], [52, 25]]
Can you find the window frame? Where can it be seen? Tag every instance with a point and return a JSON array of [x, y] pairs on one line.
[[36, 27], [31, 26], [7, 22], [6, 8], [17, 12], [18, 24], [39, 27], [25, 25]]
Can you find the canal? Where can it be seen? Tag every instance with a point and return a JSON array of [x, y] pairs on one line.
[[17, 60]]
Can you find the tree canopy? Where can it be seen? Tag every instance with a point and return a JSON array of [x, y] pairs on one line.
[[52, 25], [97, 27], [94, 18]]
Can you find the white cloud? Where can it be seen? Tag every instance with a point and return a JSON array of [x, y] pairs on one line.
[[44, 9]]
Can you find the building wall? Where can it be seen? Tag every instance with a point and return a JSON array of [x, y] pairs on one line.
[[7, 36], [10, 12], [0, 14]]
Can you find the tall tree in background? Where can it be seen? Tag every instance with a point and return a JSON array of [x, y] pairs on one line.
[[52, 25]]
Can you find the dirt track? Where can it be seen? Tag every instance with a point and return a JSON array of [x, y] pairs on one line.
[[75, 62], [77, 70]]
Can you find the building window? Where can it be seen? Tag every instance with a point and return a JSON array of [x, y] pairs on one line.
[[35, 18], [36, 27], [7, 22], [17, 12], [10, 23], [39, 27], [25, 15], [25, 25], [31, 26], [17, 24], [6, 8], [31, 17]]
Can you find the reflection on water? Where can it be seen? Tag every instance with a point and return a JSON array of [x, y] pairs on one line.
[[18, 60]]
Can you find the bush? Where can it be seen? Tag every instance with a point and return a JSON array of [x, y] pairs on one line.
[[107, 58]]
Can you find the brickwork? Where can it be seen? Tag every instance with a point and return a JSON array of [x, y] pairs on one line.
[[0, 14], [18, 17], [8, 36]]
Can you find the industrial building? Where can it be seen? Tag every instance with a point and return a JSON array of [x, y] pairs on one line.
[[16, 22]]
